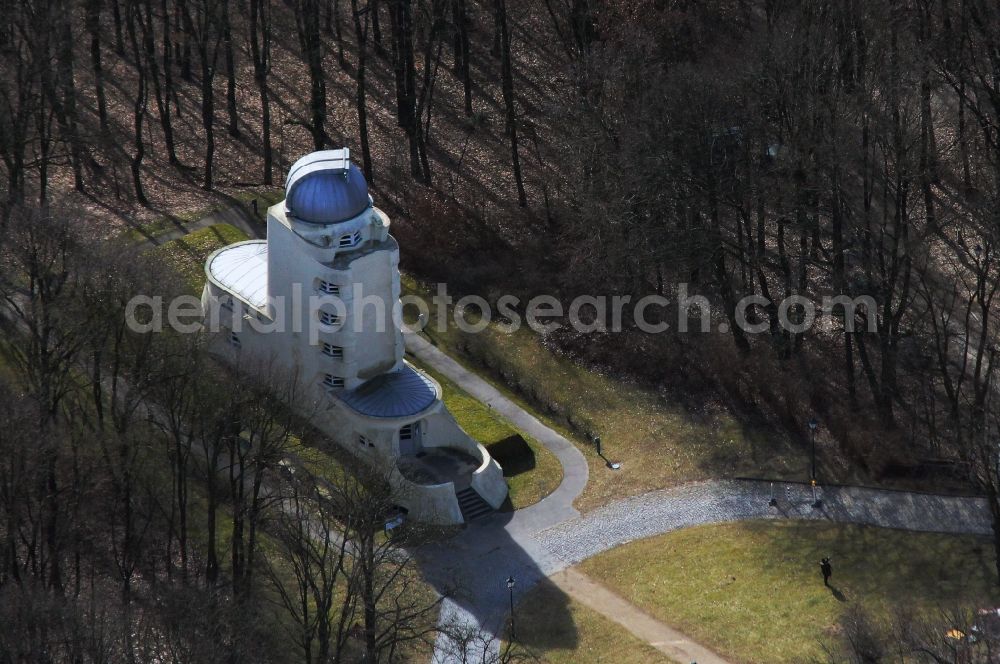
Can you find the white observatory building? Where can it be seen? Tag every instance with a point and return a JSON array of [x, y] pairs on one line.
[[315, 300]]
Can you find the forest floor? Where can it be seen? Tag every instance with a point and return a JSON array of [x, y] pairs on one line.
[[659, 439], [469, 157]]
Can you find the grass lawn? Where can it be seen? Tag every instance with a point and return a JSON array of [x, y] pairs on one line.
[[753, 591], [658, 442], [559, 630], [532, 475], [187, 254]]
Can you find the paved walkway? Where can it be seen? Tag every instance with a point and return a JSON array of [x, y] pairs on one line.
[[719, 501], [235, 215], [555, 508], [613, 606], [546, 539]]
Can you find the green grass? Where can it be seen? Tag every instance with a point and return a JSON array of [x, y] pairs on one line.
[[560, 630], [753, 591], [188, 254], [266, 196], [657, 441], [529, 481]]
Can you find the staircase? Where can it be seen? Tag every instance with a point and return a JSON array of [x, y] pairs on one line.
[[472, 505]]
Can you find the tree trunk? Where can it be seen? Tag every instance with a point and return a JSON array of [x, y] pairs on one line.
[[138, 108], [116, 12], [463, 30], [361, 33], [507, 76], [208, 121], [67, 86], [307, 12], [227, 39], [260, 50], [160, 93], [94, 28]]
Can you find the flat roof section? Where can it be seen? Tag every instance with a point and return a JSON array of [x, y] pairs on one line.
[[398, 394], [242, 270]]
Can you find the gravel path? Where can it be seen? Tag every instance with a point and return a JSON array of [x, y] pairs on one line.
[[736, 500], [550, 536], [546, 539]]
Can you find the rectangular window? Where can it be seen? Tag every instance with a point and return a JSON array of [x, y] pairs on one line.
[[329, 288], [362, 440], [332, 351], [234, 341], [406, 432], [332, 382], [351, 240], [328, 318]]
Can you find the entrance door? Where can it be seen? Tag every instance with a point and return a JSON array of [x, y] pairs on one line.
[[409, 439]]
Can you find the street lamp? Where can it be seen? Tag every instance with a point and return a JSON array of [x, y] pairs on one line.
[[510, 589], [812, 438]]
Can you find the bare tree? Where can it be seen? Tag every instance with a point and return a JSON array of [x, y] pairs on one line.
[[203, 24], [311, 43], [312, 573], [260, 51], [361, 96], [507, 80]]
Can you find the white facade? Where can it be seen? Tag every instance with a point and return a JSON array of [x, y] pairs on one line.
[[316, 300]]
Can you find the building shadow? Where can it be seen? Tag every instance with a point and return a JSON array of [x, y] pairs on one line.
[[471, 569], [513, 454]]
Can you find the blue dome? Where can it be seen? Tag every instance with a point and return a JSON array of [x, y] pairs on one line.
[[397, 394], [325, 187]]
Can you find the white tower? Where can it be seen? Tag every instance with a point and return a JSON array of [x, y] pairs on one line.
[[317, 298], [329, 240]]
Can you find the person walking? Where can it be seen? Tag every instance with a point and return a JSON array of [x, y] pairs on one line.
[[827, 569]]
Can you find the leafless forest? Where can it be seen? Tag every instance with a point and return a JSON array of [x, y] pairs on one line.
[[742, 147]]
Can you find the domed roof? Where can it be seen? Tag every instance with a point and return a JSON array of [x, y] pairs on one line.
[[325, 187], [395, 394]]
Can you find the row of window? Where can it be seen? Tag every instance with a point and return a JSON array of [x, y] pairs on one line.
[[328, 318], [328, 349], [405, 433], [327, 287], [350, 240], [331, 382]]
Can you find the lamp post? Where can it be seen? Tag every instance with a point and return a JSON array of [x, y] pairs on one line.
[[510, 589], [817, 502], [812, 439]]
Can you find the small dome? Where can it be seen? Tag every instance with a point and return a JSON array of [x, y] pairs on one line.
[[325, 187], [396, 394]]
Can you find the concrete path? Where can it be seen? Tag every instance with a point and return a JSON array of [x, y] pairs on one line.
[[235, 215], [616, 608], [546, 539], [555, 508]]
